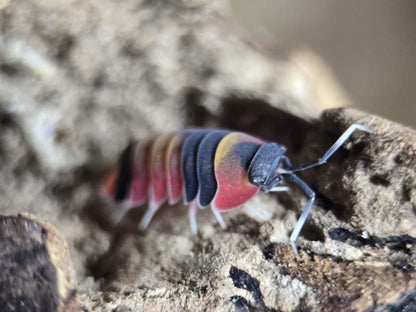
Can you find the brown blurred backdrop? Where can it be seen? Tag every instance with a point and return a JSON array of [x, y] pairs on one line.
[[370, 45]]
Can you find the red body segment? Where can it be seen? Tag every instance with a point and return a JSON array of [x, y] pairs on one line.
[[108, 188], [231, 170], [173, 159]]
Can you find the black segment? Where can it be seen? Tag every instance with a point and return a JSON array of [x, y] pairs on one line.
[[124, 175], [189, 158], [246, 152], [205, 166]]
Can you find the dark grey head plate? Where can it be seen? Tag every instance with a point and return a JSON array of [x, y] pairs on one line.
[[263, 167]]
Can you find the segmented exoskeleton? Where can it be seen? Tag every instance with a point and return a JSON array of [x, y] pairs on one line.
[[214, 167]]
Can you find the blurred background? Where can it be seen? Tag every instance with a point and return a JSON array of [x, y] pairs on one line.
[[370, 45]]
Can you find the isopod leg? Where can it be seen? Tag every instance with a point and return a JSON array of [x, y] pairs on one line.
[[148, 215], [219, 218], [311, 195], [280, 189], [121, 212], [192, 217]]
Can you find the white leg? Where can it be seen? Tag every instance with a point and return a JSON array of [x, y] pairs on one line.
[[120, 213], [217, 215], [148, 215], [280, 189], [299, 225], [192, 217]]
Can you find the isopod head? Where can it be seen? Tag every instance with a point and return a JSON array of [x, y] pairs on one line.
[[264, 167]]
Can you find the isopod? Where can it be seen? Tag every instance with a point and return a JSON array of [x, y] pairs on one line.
[[215, 167]]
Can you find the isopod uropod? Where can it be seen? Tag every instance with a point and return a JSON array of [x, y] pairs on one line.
[[214, 167]]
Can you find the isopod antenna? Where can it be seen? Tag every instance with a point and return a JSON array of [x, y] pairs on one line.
[[334, 147]]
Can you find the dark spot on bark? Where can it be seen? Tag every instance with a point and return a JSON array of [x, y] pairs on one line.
[[196, 114], [243, 280], [380, 179], [397, 242], [406, 193], [268, 251], [312, 232], [341, 212]]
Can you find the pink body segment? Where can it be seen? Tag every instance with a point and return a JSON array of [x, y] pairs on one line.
[[140, 174], [158, 170], [174, 169], [234, 189]]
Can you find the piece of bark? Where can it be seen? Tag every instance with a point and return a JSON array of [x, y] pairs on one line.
[[36, 272], [350, 258]]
